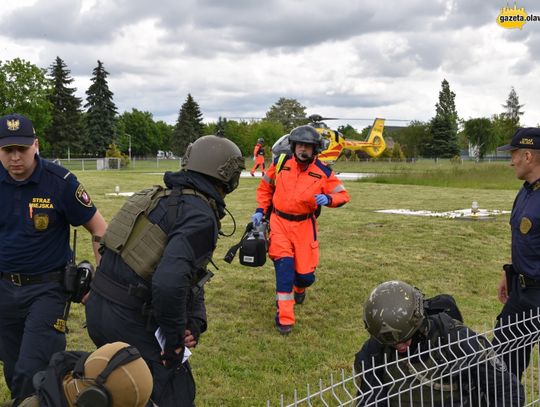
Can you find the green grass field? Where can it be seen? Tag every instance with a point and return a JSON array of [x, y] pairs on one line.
[[243, 361]]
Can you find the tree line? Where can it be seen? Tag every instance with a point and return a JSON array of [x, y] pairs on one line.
[[68, 126], [445, 135]]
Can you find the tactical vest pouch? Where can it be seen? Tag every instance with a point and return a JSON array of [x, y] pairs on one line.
[[131, 235]]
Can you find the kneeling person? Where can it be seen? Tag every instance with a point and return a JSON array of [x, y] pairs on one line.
[[421, 359]]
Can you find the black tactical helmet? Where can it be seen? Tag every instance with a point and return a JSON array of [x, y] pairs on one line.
[[393, 312], [307, 135], [216, 157]]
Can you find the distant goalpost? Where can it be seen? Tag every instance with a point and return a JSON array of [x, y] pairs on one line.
[[108, 163]]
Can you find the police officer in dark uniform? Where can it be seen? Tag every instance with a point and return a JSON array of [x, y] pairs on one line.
[[412, 358], [129, 302], [38, 203], [519, 289]]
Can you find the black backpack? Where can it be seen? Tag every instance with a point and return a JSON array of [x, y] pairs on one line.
[[48, 383], [443, 303]]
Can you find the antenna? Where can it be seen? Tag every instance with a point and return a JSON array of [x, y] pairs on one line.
[[74, 254]]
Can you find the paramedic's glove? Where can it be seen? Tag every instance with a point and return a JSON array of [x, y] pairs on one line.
[[322, 199], [256, 218]]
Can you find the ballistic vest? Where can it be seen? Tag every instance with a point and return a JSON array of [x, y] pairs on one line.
[[138, 241]]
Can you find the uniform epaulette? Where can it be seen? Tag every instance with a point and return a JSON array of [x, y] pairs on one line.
[[323, 167], [56, 169]]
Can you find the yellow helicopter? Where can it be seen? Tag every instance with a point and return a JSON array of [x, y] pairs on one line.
[[335, 142]]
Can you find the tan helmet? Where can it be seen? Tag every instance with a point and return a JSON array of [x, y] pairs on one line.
[[394, 312], [115, 375], [216, 157]]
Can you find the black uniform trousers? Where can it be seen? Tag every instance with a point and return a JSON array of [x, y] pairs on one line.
[[109, 322], [514, 340], [31, 331]]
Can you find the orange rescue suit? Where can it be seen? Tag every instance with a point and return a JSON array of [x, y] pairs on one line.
[[258, 158], [294, 247]]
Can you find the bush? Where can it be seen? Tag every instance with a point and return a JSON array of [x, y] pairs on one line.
[[114, 152]]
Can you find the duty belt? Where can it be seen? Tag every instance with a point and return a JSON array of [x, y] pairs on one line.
[[294, 218], [525, 281], [134, 297], [25, 279]]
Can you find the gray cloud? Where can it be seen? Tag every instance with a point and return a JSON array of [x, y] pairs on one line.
[[239, 57]]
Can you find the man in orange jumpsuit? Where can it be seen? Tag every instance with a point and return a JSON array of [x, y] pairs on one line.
[[258, 156], [293, 190]]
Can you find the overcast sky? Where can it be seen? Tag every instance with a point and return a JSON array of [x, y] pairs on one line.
[[340, 58]]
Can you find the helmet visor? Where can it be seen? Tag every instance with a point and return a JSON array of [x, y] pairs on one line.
[[393, 337]]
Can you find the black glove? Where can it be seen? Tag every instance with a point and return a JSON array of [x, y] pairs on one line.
[[172, 359]]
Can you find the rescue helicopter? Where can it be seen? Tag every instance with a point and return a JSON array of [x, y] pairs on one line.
[[334, 142]]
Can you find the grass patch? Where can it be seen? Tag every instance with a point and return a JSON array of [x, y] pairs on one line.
[[243, 361]]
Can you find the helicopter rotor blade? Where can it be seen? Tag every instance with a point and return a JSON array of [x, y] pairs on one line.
[[315, 118]]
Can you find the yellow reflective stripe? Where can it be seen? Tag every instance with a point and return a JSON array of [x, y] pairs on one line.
[[268, 179], [284, 296], [279, 164], [337, 189]]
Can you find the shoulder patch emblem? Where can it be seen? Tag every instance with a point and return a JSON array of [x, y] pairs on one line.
[[525, 225], [83, 197]]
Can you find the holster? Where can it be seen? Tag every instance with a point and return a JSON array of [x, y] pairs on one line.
[[509, 272]]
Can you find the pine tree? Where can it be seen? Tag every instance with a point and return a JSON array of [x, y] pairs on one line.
[[189, 126], [64, 134], [221, 125], [512, 108], [444, 125], [100, 119]]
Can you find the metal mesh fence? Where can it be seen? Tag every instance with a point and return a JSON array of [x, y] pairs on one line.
[[468, 370]]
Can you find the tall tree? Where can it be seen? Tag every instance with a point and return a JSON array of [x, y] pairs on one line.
[[100, 120], [481, 137], [414, 139], [444, 125], [503, 128], [512, 108], [145, 135], [221, 125], [25, 89], [289, 112], [189, 126], [64, 134]]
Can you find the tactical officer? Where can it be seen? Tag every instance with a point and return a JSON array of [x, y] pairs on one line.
[[519, 288], [413, 358], [154, 262], [39, 201], [258, 156], [114, 375], [292, 192]]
